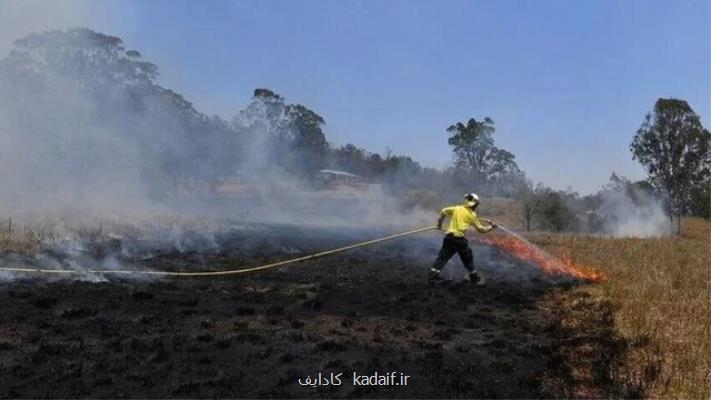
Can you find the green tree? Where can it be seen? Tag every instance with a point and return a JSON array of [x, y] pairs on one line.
[[351, 158], [265, 115], [531, 199], [700, 201], [476, 156], [307, 139], [555, 212], [672, 145], [289, 136], [472, 144], [96, 108], [91, 59]]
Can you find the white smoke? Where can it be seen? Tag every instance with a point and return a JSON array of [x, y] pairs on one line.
[[627, 218], [54, 156], [99, 175], [627, 210]]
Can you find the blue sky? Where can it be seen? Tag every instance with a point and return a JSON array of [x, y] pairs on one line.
[[567, 82]]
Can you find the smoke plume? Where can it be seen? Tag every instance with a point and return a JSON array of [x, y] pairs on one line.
[[627, 209], [101, 165]]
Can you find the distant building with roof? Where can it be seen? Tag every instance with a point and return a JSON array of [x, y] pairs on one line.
[[332, 178]]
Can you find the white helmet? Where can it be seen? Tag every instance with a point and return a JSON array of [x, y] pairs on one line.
[[471, 199]]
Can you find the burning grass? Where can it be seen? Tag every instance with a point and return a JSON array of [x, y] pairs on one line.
[[563, 266], [660, 290]]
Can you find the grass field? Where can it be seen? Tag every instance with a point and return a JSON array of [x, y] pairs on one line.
[[659, 294]]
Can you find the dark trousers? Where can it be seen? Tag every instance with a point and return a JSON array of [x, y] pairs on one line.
[[450, 245]]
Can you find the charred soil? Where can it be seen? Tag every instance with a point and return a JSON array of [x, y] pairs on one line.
[[257, 335]]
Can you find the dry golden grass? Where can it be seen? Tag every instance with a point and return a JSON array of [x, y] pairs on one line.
[[25, 242], [661, 292]]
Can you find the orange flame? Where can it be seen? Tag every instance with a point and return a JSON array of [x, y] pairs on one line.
[[549, 265]]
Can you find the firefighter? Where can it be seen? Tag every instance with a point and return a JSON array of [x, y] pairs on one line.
[[461, 218]]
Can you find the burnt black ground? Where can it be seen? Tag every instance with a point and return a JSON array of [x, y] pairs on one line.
[[256, 335]]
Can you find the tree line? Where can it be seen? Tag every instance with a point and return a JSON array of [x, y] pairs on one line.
[[179, 148]]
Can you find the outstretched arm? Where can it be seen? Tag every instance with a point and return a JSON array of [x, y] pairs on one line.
[[480, 227], [491, 223]]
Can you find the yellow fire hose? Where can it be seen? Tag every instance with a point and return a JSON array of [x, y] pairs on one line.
[[216, 273]]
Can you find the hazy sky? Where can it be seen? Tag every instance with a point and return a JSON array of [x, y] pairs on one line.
[[567, 82]]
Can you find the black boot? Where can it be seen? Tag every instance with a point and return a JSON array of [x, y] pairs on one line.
[[434, 276], [476, 279]]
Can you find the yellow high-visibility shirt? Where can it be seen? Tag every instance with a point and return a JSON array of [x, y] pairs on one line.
[[461, 218]]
